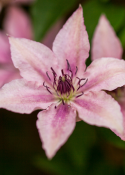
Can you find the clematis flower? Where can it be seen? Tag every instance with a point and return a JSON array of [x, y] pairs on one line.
[[106, 44], [17, 24], [58, 82]]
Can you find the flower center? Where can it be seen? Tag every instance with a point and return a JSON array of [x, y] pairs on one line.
[[65, 84], [64, 87]]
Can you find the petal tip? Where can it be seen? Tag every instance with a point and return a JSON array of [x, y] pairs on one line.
[[80, 7]]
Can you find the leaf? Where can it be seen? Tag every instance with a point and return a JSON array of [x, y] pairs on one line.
[[111, 137], [72, 158], [80, 143], [122, 36], [46, 12], [94, 8]]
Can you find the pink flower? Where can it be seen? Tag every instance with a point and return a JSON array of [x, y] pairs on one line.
[[106, 44], [17, 24], [59, 83]]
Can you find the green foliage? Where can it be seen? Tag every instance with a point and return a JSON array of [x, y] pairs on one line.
[[72, 158], [46, 12], [111, 137], [122, 36], [92, 10]]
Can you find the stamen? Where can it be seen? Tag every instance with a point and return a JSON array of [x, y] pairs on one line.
[[48, 76], [80, 95], [69, 68], [54, 74], [68, 65], [76, 70], [62, 72], [80, 82], [54, 83], [47, 88], [63, 102]]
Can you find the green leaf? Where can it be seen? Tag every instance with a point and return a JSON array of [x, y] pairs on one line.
[[59, 165], [111, 137], [80, 143], [72, 158], [46, 12], [94, 8], [122, 36]]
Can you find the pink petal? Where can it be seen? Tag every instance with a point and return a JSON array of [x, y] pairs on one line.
[[105, 42], [72, 43], [99, 108], [24, 97], [55, 125], [4, 49], [8, 74], [33, 59], [105, 73], [17, 23]]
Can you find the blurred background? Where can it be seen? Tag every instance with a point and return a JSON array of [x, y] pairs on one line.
[[90, 150]]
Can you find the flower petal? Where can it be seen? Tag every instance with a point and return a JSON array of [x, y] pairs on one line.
[[4, 49], [8, 74], [72, 43], [55, 126], [24, 97], [33, 60], [105, 73], [105, 42], [99, 108], [17, 23]]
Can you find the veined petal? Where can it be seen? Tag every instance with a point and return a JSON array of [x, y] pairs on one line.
[[105, 73], [72, 43], [33, 59], [105, 42], [55, 126], [99, 108], [17, 23], [24, 97]]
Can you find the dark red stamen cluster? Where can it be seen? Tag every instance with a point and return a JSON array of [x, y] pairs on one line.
[[65, 84]]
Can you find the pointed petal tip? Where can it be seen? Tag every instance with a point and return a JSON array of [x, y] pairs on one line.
[[103, 18], [55, 127], [49, 154], [80, 7]]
